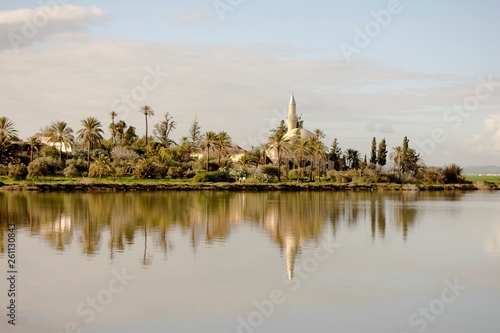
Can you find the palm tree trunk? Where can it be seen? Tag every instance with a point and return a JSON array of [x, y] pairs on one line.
[[88, 158], [208, 157], [145, 116], [279, 169]]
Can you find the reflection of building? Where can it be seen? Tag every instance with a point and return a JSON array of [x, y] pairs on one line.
[[58, 232], [491, 246], [292, 249]]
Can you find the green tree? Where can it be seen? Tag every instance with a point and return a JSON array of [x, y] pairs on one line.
[[163, 129], [223, 144], [373, 155], [101, 167], [209, 141], [335, 155], [280, 144], [8, 134], [352, 158], [301, 150], [409, 158], [62, 135], [396, 156], [382, 153], [120, 127], [112, 127], [195, 133], [33, 142], [148, 112], [90, 134], [318, 152]]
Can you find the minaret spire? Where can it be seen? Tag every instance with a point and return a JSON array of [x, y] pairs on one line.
[[292, 114]]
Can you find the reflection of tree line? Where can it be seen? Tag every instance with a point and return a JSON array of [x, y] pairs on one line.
[[289, 218]]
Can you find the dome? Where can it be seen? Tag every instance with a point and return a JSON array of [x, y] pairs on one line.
[[304, 134]]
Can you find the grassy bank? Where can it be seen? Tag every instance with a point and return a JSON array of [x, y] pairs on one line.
[[51, 184], [486, 179]]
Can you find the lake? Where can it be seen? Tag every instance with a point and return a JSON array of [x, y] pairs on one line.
[[252, 262]]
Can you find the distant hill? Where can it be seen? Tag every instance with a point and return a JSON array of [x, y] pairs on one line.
[[483, 170]]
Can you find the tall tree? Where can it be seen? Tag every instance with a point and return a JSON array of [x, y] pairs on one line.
[[90, 134], [395, 156], [163, 129], [112, 126], [409, 158], [301, 149], [195, 133], [353, 158], [8, 133], [382, 153], [280, 144], [60, 133], [33, 142], [147, 111], [120, 130], [223, 143], [209, 141], [335, 155], [373, 155]]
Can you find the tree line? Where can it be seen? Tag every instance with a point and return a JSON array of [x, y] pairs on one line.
[[207, 156]]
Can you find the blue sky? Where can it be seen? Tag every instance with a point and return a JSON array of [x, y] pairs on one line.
[[235, 69]]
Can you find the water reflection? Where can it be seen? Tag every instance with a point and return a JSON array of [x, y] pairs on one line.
[[290, 219]]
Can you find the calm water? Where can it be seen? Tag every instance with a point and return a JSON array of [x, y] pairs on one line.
[[254, 262]]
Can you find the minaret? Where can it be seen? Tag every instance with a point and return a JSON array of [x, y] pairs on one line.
[[292, 114]]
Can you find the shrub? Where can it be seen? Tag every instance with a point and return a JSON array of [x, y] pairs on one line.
[[4, 170], [175, 172], [18, 171], [43, 166], [101, 167], [71, 171], [431, 175], [212, 177], [453, 174], [145, 168], [49, 151], [343, 176]]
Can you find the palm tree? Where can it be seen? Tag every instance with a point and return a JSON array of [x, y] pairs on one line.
[[223, 143], [396, 155], [112, 126], [319, 134], [281, 145], [147, 111], [61, 134], [209, 140], [33, 142], [120, 130], [90, 134], [7, 134], [301, 150], [7, 130], [352, 157], [318, 152]]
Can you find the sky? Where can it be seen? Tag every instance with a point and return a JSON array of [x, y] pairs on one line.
[[428, 70]]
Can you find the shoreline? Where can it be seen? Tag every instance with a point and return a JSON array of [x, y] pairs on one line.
[[235, 187]]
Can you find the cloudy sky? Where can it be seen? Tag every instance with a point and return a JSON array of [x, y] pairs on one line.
[[426, 69]]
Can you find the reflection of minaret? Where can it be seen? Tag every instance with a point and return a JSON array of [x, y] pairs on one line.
[[292, 114], [292, 249]]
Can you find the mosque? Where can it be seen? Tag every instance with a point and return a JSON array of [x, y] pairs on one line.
[[294, 130]]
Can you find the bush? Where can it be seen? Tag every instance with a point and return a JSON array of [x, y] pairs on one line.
[[431, 175], [145, 168], [453, 174], [4, 170], [71, 171], [43, 166], [18, 171], [212, 177], [343, 176], [49, 151], [175, 172], [101, 167]]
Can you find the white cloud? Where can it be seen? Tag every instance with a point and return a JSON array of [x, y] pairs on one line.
[[22, 27], [488, 139]]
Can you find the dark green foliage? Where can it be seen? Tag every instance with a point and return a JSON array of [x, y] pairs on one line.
[[212, 177], [44, 166], [18, 171], [373, 155], [270, 171], [4, 170], [382, 153], [71, 171], [452, 174]]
